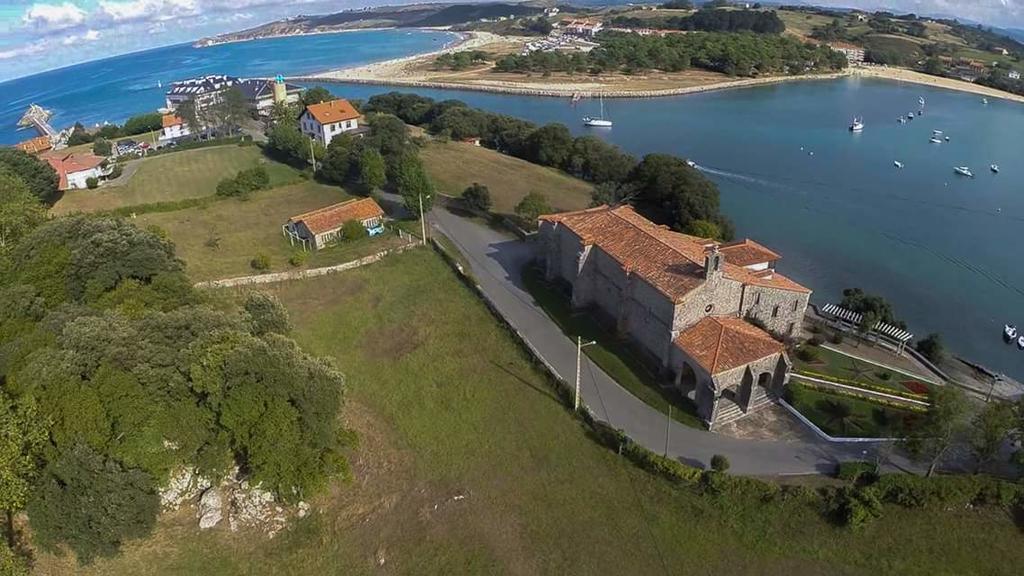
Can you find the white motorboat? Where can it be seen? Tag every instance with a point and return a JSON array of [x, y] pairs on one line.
[[963, 171], [994, 168], [1009, 332], [935, 140], [984, 100], [1020, 342], [910, 115], [691, 163], [946, 138], [600, 121], [936, 132], [897, 163], [857, 125]]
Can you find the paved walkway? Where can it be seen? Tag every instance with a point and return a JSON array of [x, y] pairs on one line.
[[497, 261]]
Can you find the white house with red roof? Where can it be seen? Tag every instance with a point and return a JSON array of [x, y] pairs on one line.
[[322, 226], [75, 169], [174, 127], [712, 316], [323, 121]]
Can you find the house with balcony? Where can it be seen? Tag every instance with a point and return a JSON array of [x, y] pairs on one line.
[[323, 121]]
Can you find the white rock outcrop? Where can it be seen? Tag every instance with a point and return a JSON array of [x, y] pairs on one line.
[[211, 509], [183, 486]]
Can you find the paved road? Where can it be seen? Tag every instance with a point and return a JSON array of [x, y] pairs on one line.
[[497, 261]]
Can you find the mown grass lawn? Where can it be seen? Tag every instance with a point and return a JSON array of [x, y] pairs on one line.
[[853, 370], [175, 176], [217, 239], [467, 464], [453, 166]]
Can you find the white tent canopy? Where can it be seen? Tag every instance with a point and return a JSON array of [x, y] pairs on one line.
[[894, 333]]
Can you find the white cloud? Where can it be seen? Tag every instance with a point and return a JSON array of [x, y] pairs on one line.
[[147, 10], [54, 16], [87, 36], [8, 53]]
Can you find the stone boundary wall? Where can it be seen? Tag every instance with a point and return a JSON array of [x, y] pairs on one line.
[[300, 274]]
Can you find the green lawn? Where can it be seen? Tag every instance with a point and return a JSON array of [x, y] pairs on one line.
[[453, 166], [847, 368], [859, 418], [447, 405], [174, 176], [612, 354], [218, 238]]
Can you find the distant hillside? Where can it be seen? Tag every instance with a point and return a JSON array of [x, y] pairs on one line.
[[384, 16]]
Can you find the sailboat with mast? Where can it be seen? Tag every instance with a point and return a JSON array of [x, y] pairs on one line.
[[600, 121]]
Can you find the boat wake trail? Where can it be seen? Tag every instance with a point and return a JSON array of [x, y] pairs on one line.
[[738, 176]]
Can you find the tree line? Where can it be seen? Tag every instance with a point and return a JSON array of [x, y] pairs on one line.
[[711, 20], [139, 124], [116, 373], [663, 187], [736, 54]]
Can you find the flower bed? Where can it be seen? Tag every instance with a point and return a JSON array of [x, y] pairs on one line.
[[867, 386], [915, 387], [871, 399]]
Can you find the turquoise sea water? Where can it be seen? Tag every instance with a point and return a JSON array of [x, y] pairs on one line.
[[944, 249], [113, 89]]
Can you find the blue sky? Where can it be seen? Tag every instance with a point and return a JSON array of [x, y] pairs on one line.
[[40, 35]]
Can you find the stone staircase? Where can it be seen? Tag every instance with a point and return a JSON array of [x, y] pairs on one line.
[[732, 411]]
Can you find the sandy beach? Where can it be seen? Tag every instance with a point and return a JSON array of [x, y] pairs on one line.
[[414, 71]]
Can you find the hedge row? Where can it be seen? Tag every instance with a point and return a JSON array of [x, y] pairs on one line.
[[864, 385]]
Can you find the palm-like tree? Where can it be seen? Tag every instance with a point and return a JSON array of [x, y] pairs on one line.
[[838, 414]]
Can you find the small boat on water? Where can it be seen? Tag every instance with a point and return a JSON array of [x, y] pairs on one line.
[[1009, 332], [963, 171], [691, 163], [897, 163], [920, 112], [935, 140], [947, 138], [984, 100], [901, 120], [936, 132], [1020, 342], [857, 125], [994, 168], [910, 115], [598, 122]]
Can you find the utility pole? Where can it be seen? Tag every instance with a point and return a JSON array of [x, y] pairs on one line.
[[668, 428], [423, 221], [580, 345], [312, 156]]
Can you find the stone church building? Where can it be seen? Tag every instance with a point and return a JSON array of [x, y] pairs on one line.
[[705, 312]]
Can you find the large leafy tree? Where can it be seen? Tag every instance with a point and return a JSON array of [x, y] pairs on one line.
[[316, 95], [372, 170], [37, 174], [231, 110], [22, 437], [550, 145], [671, 192], [20, 210], [943, 425], [338, 161], [990, 429], [412, 183], [92, 503]]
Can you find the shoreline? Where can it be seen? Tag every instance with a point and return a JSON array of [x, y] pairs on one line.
[[199, 45]]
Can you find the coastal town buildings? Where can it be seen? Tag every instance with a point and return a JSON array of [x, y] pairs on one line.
[[174, 127], [854, 54], [35, 145], [323, 121], [582, 28], [75, 169], [711, 316], [318, 228], [1013, 75], [261, 95]]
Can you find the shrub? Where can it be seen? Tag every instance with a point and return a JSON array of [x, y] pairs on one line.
[[298, 258], [946, 491], [353, 230], [855, 507], [228, 187], [478, 197], [857, 470], [266, 314], [244, 182], [101, 147], [931, 347], [883, 375], [807, 354], [719, 463], [260, 262], [837, 337], [532, 206], [115, 172], [816, 340], [92, 183]]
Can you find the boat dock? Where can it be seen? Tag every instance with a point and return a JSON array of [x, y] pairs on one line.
[[38, 117]]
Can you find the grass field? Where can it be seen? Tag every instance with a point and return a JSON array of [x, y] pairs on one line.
[[847, 368], [218, 239], [174, 176], [453, 166], [802, 24], [447, 405]]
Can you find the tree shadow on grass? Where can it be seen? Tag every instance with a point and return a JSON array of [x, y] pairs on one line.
[[542, 390]]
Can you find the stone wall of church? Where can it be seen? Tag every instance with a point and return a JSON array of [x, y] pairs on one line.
[[781, 311], [647, 318], [721, 298]]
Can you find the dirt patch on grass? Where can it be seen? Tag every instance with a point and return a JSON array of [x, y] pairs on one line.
[[391, 342]]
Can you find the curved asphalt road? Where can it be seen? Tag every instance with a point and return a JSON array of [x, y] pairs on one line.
[[497, 260]]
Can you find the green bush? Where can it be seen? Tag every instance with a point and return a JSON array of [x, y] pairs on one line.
[[101, 147], [816, 340], [660, 465], [244, 182], [719, 463], [857, 470], [883, 375], [260, 262], [837, 338], [946, 491], [808, 354], [228, 187], [92, 183], [115, 172], [855, 507], [298, 258], [478, 197], [353, 230]]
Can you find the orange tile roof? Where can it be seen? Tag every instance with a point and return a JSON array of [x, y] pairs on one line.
[[332, 111], [746, 252], [334, 216], [169, 120], [65, 164], [35, 145], [720, 343], [673, 263]]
